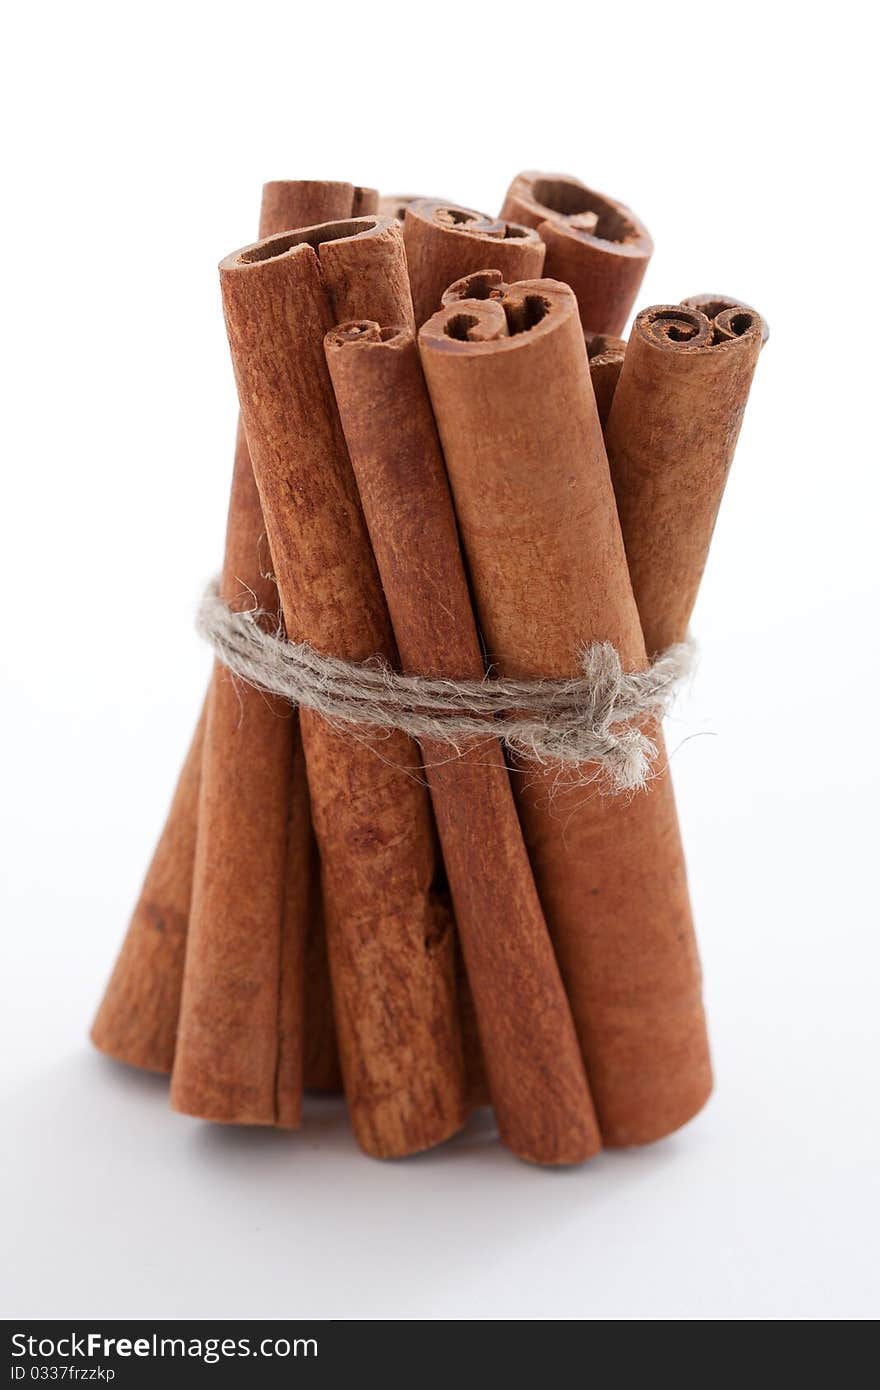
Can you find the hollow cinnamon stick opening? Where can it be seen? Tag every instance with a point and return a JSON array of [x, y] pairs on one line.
[[714, 304], [595, 244], [538, 523], [604, 352], [479, 284], [389, 929], [536, 1076], [138, 1018], [444, 242], [671, 435]]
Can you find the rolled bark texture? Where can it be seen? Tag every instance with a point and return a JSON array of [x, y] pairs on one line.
[[137, 1018], [670, 437], [364, 203], [536, 1075], [226, 1061], [445, 242], [510, 386], [137, 1021], [389, 929], [594, 244]]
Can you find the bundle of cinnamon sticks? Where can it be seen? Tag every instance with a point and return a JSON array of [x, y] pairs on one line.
[[448, 460]]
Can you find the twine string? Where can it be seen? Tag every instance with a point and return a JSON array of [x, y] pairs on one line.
[[593, 722]]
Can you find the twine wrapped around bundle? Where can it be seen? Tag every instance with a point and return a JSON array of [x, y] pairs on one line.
[[594, 721]]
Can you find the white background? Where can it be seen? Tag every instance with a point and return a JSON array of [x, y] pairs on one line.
[[138, 141]]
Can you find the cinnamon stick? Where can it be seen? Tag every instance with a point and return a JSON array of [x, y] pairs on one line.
[[389, 930], [670, 439], [509, 382], [364, 203], [605, 356], [444, 242], [605, 353], [226, 1060], [290, 203], [536, 1076], [478, 284], [594, 244], [714, 304], [137, 1019]]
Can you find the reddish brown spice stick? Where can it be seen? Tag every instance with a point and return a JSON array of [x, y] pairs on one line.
[[389, 931], [510, 386], [536, 1076], [291, 203], [226, 1064], [605, 353], [670, 439], [444, 242], [364, 203], [301, 900], [714, 304], [605, 356], [226, 1060], [594, 244], [138, 1017]]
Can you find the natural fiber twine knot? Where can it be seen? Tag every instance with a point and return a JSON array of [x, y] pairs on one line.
[[592, 723]]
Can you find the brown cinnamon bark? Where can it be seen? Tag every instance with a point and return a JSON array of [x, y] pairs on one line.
[[509, 382], [670, 439], [714, 304], [479, 284], [605, 353], [536, 1076], [291, 203], [364, 203], [137, 1020], [226, 1060], [389, 930], [444, 242], [605, 356], [301, 898], [594, 244]]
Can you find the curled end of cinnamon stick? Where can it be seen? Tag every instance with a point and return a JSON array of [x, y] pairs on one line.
[[565, 203], [715, 305], [287, 243], [445, 241], [528, 307], [365, 331], [480, 284], [684, 329], [594, 243], [451, 217]]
